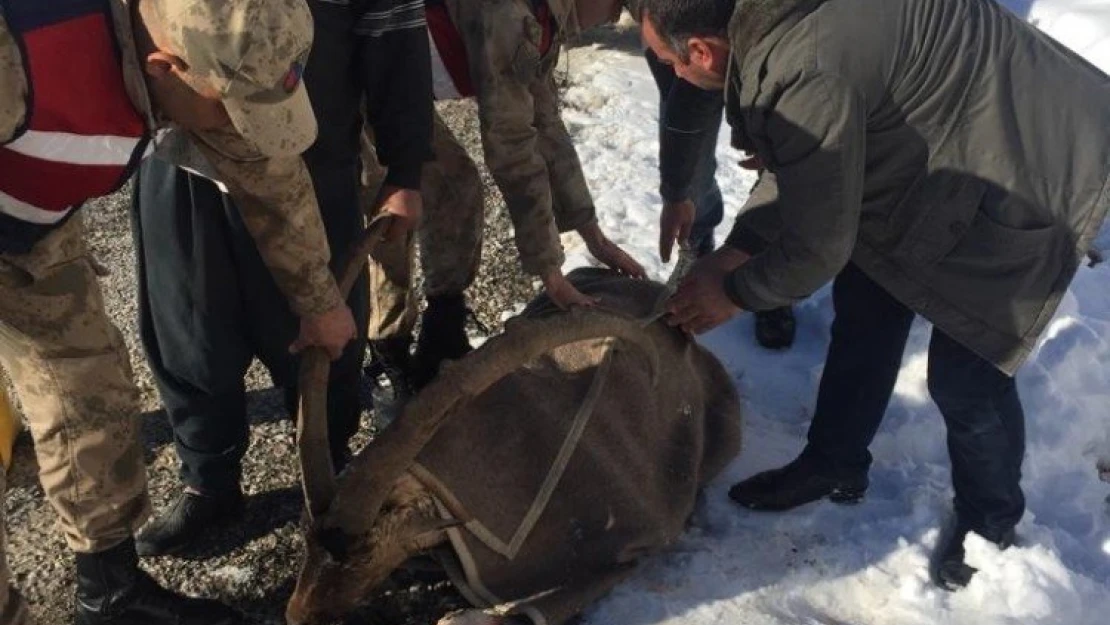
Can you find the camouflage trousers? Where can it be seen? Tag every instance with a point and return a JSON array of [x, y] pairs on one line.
[[72, 375], [450, 238]]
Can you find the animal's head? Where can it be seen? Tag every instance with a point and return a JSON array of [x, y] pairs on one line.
[[337, 572], [364, 524], [341, 569]]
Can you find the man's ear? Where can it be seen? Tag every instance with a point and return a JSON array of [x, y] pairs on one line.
[[701, 53], [160, 64]]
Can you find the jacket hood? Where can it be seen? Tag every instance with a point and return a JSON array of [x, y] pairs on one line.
[[753, 20]]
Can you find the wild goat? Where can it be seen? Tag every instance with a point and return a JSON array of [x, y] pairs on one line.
[[539, 468]]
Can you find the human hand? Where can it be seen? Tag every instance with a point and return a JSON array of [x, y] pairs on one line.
[[700, 303], [563, 293], [609, 253], [675, 222], [407, 208], [331, 330]]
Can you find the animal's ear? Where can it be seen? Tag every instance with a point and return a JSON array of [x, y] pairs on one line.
[[427, 533]]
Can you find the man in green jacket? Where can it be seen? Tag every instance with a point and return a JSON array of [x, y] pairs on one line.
[[932, 157]]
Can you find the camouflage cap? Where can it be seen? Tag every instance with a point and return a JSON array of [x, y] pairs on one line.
[[253, 53]]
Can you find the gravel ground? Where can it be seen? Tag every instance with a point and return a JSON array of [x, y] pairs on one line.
[[252, 564]]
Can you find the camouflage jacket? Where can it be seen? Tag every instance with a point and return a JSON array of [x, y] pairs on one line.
[[527, 146], [274, 195]]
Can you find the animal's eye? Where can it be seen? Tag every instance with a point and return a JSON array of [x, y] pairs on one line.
[[335, 542]]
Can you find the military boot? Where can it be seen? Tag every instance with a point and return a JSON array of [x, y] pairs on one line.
[[391, 360], [113, 590], [442, 336]]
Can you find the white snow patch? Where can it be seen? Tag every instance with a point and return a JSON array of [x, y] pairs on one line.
[[1082, 25]]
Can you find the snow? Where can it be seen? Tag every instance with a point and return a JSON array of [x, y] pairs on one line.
[[1082, 25], [864, 564]]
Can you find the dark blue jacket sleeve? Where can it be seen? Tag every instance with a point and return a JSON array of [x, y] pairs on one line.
[[686, 113]]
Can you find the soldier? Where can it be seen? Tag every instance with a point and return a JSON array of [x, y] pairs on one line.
[[83, 87], [195, 255], [503, 53], [932, 157]]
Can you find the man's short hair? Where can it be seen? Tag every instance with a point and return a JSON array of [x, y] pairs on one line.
[[677, 21]]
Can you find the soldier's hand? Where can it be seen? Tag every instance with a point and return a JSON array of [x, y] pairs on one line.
[[563, 293], [331, 330], [407, 208], [610, 253], [700, 303], [675, 223]]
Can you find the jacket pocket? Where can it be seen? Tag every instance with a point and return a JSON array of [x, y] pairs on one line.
[[935, 216], [1005, 247], [527, 58]]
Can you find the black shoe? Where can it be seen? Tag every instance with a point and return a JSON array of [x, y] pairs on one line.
[[442, 336], [797, 483], [952, 572], [190, 518], [775, 329], [113, 590]]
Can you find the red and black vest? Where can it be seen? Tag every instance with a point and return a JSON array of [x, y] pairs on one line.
[[450, 65], [82, 136]]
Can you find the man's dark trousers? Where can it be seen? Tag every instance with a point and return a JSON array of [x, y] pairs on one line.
[[208, 305], [980, 404]]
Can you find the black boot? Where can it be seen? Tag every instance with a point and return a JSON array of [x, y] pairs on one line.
[[442, 336], [391, 359], [800, 482], [952, 572], [775, 329], [189, 519], [113, 590]]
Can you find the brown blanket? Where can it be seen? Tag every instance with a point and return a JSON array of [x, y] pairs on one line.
[[574, 467]]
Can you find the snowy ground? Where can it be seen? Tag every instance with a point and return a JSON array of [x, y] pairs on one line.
[[863, 565]]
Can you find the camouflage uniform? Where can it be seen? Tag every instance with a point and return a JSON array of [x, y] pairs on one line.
[[450, 237], [527, 149], [68, 362]]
